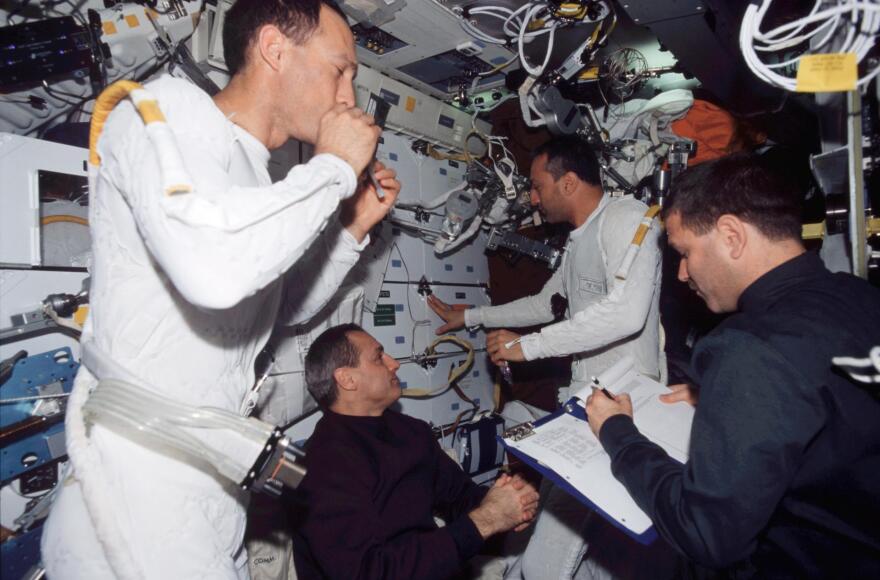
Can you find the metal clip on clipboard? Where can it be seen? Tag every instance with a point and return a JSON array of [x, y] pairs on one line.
[[519, 432]]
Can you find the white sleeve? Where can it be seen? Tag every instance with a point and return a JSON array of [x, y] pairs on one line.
[[222, 242], [535, 309], [623, 311], [318, 275]]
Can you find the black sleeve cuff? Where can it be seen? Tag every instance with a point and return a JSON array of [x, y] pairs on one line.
[[466, 537], [617, 432]]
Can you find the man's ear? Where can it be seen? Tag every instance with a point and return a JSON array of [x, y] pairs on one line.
[[344, 379], [270, 45], [568, 183], [734, 235]]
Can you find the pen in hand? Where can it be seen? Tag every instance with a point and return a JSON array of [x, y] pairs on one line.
[[606, 392]]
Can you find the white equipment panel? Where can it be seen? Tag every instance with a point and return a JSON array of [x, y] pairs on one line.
[[417, 114], [426, 29], [400, 317]]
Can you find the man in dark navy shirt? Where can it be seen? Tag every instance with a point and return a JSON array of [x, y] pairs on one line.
[[376, 477], [784, 472]]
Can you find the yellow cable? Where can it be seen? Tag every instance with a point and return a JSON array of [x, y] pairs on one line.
[[440, 156], [466, 156], [73, 219], [104, 104], [454, 375], [174, 175]]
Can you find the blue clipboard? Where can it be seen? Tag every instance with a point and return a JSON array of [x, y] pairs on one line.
[[575, 410]]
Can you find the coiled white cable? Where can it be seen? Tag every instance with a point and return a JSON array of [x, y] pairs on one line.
[[858, 21], [531, 14], [515, 26]]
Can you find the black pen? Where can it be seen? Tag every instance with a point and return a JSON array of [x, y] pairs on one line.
[[605, 391]]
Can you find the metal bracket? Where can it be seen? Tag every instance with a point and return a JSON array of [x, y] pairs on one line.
[[424, 288], [523, 245], [29, 439]]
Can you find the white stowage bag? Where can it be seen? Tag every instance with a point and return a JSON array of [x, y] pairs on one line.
[[185, 292]]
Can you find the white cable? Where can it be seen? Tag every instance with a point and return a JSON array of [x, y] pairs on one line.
[[479, 34], [518, 21], [861, 21], [831, 25], [532, 13], [530, 114], [436, 202], [792, 34], [819, 45], [516, 28]]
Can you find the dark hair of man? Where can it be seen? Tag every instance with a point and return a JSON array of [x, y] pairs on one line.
[[744, 185], [330, 351], [298, 19], [566, 154]]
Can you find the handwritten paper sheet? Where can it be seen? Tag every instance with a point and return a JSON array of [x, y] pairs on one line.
[[567, 446]]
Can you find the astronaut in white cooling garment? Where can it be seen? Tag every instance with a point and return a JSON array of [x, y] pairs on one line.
[[186, 289]]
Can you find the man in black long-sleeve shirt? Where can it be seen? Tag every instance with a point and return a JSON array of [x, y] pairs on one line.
[[376, 477], [784, 472]]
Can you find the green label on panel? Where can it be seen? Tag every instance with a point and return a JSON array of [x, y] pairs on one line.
[[384, 315]]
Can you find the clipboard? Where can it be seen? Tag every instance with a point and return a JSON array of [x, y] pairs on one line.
[[562, 448], [525, 430]]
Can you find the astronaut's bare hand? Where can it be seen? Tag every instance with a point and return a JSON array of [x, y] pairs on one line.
[[365, 208], [504, 508], [682, 392], [452, 316], [496, 346], [600, 407], [525, 525], [350, 134]]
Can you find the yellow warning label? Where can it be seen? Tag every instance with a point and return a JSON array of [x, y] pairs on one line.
[[410, 104], [826, 73], [108, 27], [132, 21]]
